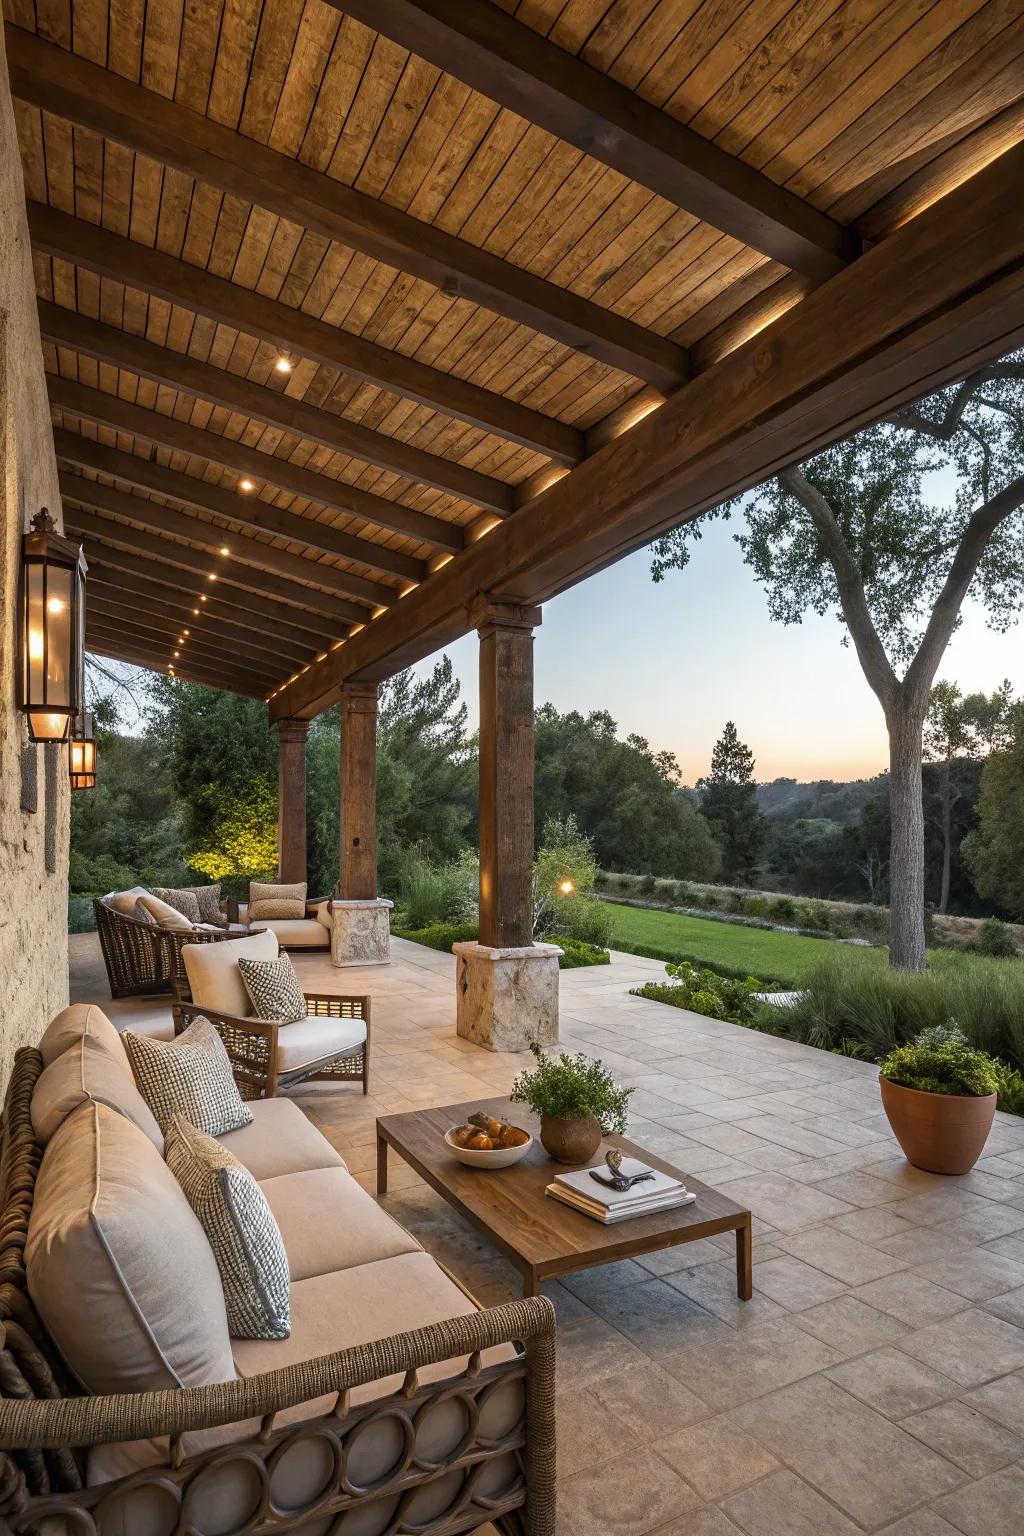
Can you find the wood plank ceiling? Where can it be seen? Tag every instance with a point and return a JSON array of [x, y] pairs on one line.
[[318, 315]]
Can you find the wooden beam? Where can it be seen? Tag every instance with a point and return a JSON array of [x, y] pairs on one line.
[[71, 87], [178, 282], [109, 607], [151, 581], [291, 801], [248, 511], [264, 566], [510, 63], [938, 298], [115, 630], [166, 431], [178, 371], [229, 576], [358, 811], [152, 662]]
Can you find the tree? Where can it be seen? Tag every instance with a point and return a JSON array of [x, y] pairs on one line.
[[856, 531], [995, 850], [959, 727], [242, 844], [728, 799]]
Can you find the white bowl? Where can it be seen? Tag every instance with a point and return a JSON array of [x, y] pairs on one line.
[[501, 1157]]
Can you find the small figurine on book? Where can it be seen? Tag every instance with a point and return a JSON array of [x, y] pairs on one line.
[[629, 1188]]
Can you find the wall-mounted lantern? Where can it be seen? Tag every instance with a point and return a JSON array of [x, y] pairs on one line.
[[51, 629], [82, 751]]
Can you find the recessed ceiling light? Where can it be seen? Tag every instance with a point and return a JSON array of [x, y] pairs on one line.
[[176, 655], [246, 485], [225, 550], [283, 364], [202, 597], [186, 631], [212, 576], [195, 611]]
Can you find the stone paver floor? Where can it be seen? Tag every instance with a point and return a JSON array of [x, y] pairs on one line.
[[875, 1382]]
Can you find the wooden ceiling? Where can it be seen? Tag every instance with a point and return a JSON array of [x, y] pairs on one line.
[[319, 315]]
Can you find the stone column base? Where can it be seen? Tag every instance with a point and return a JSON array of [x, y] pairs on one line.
[[507, 998], [361, 934]]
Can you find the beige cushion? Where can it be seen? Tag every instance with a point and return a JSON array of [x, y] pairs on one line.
[[312, 1039], [124, 901], [89, 1070], [118, 1265], [329, 1222], [323, 912], [284, 901], [162, 912], [280, 1140], [296, 933], [213, 974], [355, 1306], [68, 1027]]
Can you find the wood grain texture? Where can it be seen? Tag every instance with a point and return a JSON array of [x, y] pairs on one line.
[[358, 793]]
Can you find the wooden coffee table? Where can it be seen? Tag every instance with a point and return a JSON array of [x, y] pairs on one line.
[[542, 1237]]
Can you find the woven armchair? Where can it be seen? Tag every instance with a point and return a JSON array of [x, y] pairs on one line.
[[254, 1045], [46, 1425], [143, 958]]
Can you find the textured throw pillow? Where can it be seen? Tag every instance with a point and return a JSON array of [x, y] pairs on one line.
[[189, 1075], [241, 1229], [267, 902], [274, 989], [184, 901], [208, 897]]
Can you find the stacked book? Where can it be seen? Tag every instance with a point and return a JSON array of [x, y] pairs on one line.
[[586, 1191]]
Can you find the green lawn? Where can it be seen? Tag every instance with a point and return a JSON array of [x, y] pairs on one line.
[[781, 957]]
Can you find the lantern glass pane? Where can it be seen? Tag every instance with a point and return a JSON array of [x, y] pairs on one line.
[[45, 725]]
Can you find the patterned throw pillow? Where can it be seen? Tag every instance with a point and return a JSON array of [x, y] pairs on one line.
[[208, 897], [242, 1232], [189, 1075], [267, 902], [184, 901], [274, 989]]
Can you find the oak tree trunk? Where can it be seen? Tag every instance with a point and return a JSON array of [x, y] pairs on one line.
[[906, 859]]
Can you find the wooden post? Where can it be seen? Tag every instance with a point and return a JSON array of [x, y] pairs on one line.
[[506, 772], [291, 801], [358, 791]]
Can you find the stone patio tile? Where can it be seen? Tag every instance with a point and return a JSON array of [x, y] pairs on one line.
[[743, 1364], [974, 1273], [945, 1201], [596, 1437], [918, 1246], [683, 1256], [1009, 1247], [785, 1133], [973, 1347], [1009, 1307], [966, 1437], [630, 1495], [859, 1189], [783, 1505], [590, 1350], [708, 1521], [892, 1382], [923, 1522], [713, 1286], [847, 1259], [986, 1222], [911, 1298], [653, 1315], [850, 1326], [991, 1507], [898, 1171], [649, 1400], [861, 1461], [785, 1203], [1001, 1400], [794, 1284], [872, 1224], [716, 1458]]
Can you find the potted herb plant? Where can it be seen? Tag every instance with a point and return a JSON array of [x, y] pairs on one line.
[[578, 1101], [939, 1095]]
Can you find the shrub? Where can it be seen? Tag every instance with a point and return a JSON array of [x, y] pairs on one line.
[[646, 885], [685, 895], [81, 917], [783, 908], [756, 906], [601, 880], [948, 1065], [577, 917], [733, 900], [1010, 1087], [572, 1087], [624, 882], [446, 893], [995, 938], [873, 922], [576, 953], [440, 935], [705, 991], [665, 890], [710, 899]]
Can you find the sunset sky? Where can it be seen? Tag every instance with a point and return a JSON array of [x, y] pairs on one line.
[[673, 662]]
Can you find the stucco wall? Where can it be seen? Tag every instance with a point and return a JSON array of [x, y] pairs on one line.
[[33, 903]]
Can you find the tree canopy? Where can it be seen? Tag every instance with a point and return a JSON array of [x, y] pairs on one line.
[[728, 799]]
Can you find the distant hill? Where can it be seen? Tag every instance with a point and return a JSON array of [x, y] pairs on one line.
[[789, 800]]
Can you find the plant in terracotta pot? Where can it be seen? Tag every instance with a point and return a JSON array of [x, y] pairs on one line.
[[578, 1101], [939, 1095]]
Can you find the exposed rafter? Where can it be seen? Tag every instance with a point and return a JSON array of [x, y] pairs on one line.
[[155, 427], [154, 661], [133, 632], [70, 86], [179, 371], [247, 510], [509, 63], [153, 272], [108, 608]]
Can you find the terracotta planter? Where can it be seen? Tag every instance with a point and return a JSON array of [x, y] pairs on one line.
[[570, 1141], [939, 1132]]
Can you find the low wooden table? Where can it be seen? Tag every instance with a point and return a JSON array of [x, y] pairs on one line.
[[542, 1237]]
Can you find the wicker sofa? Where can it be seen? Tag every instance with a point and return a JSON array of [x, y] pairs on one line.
[[396, 1404], [143, 957]]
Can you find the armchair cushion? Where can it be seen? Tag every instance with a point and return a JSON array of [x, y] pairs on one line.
[[277, 900], [89, 1070], [295, 932], [118, 1265], [314, 1039], [328, 1222], [71, 1024], [189, 1075], [162, 912], [213, 975], [243, 1234], [184, 901], [273, 988]]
